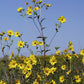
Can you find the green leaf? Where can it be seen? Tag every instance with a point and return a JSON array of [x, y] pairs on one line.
[[30, 17], [57, 48], [47, 50]]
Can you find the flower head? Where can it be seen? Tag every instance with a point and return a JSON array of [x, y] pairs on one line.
[[34, 43], [2, 82], [10, 32], [6, 39], [53, 60], [48, 5], [26, 3], [52, 70], [63, 67], [20, 9], [47, 71], [33, 0], [36, 8], [17, 34], [40, 43], [39, 2], [28, 74], [36, 82], [61, 79], [29, 11], [82, 52], [12, 64], [21, 44], [77, 78], [62, 19], [17, 81], [52, 82], [58, 52]]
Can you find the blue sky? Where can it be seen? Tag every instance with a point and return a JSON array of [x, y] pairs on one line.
[[72, 30]]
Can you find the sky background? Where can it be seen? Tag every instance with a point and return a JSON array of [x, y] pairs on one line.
[[72, 30]]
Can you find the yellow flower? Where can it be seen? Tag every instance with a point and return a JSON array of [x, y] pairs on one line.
[[76, 55], [29, 12], [58, 52], [20, 9], [26, 60], [24, 71], [6, 39], [66, 50], [21, 66], [62, 19], [2, 82], [12, 64], [36, 8], [70, 46], [32, 56], [52, 82], [40, 43], [10, 32], [48, 5], [71, 49], [34, 62], [53, 60], [34, 43], [70, 43], [26, 3], [61, 79], [33, 0], [77, 78], [39, 2], [28, 66], [69, 56], [33, 59], [83, 60], [36, 82], [82, 52], [63, 67], [46, 71], [21, 44], [17, 81], [52, 70], [28, 74], [38, 77], [17, 34], [30, 7], [12, 54], [68, 72], [22, 57]]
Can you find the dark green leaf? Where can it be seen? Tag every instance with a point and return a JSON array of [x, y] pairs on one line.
[[57, 48]]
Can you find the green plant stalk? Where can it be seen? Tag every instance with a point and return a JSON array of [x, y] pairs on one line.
[[70, 69]]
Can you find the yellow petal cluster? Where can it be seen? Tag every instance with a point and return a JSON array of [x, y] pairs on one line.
[[20, 9], [17, 81], [61, 79], [10, 32], [21, 44], [62, 19], [12, 64], [53, 60], [6, 39]]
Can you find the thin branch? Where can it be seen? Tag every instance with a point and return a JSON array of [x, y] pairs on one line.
[[36, 26], [30, 26], [52, 38]]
